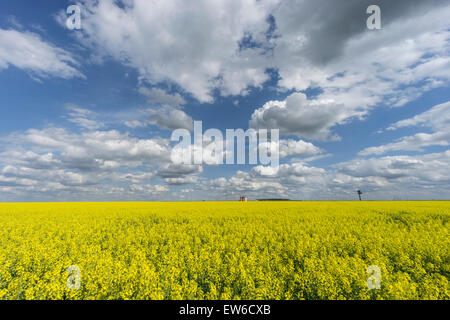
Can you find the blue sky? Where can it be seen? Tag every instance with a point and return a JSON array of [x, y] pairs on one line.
[[88, 114]]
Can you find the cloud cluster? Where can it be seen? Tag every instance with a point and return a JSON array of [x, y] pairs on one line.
[[166, 118], [290, 147], [398, 177], [90, 160], [55, 159], [421, 177], [160, 97], [84, 118], [333, 50], [179, 174], [229, 46], [355, 69], [167, 115], [436, 119], [28, 51], [299, 116], [193, 45]]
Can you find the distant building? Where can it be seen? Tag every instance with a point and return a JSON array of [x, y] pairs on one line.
[[243, 198]]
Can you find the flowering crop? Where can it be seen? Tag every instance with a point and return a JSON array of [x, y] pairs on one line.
[[225, 250]]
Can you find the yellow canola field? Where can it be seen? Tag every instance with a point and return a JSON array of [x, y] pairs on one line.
[[225, 250]]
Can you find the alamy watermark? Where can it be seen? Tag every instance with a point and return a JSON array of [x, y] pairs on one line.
[[374, 280], [374, 20], [74, 279], [73, 21], [248, 147]]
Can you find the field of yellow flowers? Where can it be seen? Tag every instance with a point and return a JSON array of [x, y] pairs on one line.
[[224, 250]]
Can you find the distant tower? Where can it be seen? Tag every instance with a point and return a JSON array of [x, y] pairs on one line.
[[359, 194]]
